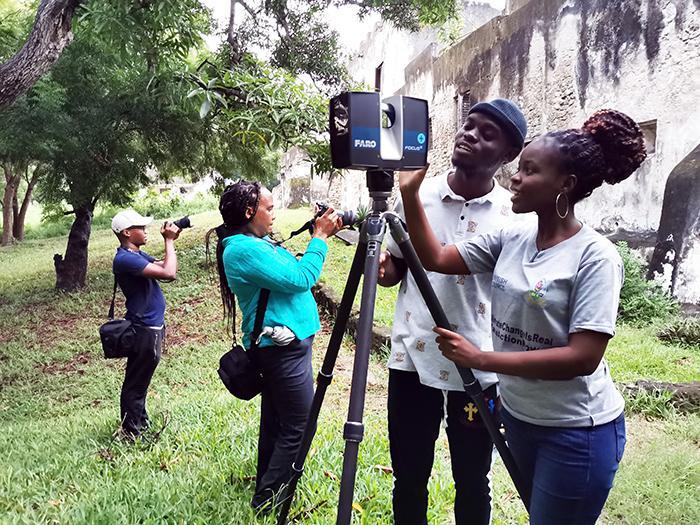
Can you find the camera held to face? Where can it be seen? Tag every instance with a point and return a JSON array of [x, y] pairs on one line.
[[183, 223], [348, 217]]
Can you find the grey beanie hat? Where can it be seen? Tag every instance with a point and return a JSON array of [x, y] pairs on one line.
[[508, 115]]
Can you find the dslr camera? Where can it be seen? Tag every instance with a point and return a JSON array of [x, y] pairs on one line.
[[183, 223], [348, 217]]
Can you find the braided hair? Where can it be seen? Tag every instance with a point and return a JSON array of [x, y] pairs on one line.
[[233, 205], [608, 148]]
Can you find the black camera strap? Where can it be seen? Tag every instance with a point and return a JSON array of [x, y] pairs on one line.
[[259, 317], [110, 315]]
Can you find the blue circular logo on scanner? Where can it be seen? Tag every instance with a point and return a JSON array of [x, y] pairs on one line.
[[421, 138]]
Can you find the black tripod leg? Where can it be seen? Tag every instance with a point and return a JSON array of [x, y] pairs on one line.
[[471, 384], [354, 428], [324, 378]]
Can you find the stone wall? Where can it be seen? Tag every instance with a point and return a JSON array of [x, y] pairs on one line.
[[561, 60]]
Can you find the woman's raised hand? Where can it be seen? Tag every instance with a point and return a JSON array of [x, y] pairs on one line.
[[410, 181], [327, 224]]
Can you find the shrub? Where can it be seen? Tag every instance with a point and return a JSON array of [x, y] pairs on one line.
[[683, 331], [641, 300], [655, 404], [153, 204]]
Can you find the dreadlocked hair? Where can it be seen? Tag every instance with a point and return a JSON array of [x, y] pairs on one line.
[[235, 201], [608, 148]]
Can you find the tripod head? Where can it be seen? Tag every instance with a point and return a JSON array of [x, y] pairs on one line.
[[379, 183]]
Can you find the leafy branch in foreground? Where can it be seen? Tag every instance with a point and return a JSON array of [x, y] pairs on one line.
[[261, 106]]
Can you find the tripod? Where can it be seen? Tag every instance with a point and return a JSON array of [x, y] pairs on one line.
[[366, 261]]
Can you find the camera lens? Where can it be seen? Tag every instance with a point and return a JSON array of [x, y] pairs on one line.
[[183, 223], [349, 217]]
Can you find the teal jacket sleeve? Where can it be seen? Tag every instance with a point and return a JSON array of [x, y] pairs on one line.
[[270, 268]]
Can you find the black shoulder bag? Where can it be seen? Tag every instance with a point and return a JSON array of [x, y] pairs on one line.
[[238, 372], [119, 336]]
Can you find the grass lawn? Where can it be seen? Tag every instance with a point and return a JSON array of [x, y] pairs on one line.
[[59, 408]]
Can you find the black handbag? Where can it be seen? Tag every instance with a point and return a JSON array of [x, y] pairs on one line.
[[237, 368], [119, 337]]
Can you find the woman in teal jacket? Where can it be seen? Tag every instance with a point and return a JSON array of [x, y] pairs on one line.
[[248, 261]]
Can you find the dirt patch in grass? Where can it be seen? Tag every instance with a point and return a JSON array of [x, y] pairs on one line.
[[190, 301], [74, 366], [46, 325], [179, 334], [185, 321]]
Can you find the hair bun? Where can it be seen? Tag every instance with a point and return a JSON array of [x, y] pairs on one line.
[[621, 141]]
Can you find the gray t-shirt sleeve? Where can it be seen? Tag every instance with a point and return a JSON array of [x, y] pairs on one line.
[[481, 252], [595, 296]]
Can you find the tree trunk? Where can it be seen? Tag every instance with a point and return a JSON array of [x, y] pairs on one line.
[[71, 271], [49, 36], [11, 185], [20, 217], [15, 213]]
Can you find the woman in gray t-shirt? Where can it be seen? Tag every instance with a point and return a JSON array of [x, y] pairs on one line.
[[556, 287]]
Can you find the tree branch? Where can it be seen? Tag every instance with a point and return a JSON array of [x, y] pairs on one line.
[[49, 36]]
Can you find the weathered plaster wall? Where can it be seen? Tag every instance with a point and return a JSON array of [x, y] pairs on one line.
[[561, 60]]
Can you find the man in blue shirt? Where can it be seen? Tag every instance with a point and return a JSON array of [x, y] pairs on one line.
[[136, 273]]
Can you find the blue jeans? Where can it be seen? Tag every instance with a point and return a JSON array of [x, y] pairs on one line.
[[288, 390], [571, 469]]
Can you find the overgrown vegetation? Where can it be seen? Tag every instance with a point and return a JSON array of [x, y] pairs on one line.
[[683, 331], [153, 204], [641, 301]]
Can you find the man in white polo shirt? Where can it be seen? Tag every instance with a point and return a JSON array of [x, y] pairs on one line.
[[424, 387]]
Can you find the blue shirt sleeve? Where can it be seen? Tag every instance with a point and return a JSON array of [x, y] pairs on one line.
[[130, 263], [269, 267]]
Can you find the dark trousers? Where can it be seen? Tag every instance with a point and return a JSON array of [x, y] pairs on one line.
[[415, 414], [288, 390], [139, 371]]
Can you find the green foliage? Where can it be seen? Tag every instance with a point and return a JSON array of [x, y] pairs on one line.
[[363, 211], [259, 108], [299, 39], [653, 405], [411, 14], [635, 353], [658, 470], [159, 206], [167, 205], [641, 301], [310, 46], [123, 109], [682, 331], [147, 33], [14, 23]]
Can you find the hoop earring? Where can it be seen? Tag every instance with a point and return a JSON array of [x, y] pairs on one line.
[[556, 205]]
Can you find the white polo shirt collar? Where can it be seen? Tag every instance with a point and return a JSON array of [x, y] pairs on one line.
[[448, 193]]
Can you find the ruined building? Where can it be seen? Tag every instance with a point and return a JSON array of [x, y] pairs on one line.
[[561, 60]]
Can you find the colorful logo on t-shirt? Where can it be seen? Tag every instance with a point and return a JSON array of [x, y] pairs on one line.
[[536, 296]]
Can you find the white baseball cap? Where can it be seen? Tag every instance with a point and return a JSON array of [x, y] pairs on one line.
[[128, 218]]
